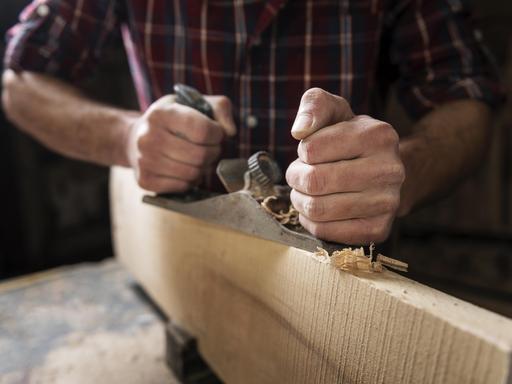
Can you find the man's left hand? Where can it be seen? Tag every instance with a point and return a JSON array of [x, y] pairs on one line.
[[347, 180]]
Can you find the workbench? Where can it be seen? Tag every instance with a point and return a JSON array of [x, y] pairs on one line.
[[80, 324]]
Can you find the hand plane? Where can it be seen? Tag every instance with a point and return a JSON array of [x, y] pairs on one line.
[[241, 208], [253, 194]]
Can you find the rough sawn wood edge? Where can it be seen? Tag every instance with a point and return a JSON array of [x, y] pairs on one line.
[[267, 313]]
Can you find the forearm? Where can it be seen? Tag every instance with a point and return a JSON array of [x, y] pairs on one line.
[[63, 119], [447, 144]]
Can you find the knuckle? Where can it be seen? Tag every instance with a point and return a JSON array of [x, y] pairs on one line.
[[144, 181], [343, 102], [396, 172], [390, 173], [400, 173], [389, 203], [289, 176], [153, 117], [142, 164], [292, 175], [307, 151], [312, 181], [314, 95], [313, 209], [315, 229], [311, 100], [224, 102], [387, 134], [307, 111], [141, 143], [378, 230]]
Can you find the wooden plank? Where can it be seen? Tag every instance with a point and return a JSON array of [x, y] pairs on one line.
[[267, 313]]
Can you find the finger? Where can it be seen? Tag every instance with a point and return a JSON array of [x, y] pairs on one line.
[[223, 113], [187, 123], [161, 184], [344, 206], [163, 102], [164, 142], [346, 175], [318, 109], [166, 167], [358, 137], [354, 231]]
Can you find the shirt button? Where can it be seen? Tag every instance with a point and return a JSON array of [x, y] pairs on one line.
[[43, 10], [251, 121]]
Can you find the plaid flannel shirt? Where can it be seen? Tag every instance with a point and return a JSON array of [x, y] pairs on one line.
[[263, 54]]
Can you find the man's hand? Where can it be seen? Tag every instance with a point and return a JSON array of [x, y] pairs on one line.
[[346, 182], [171, 145]]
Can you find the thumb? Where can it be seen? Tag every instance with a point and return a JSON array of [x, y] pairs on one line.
[[319, 109], [223, 113]]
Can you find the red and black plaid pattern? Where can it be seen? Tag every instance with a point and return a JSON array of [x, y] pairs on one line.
[[264, 54]]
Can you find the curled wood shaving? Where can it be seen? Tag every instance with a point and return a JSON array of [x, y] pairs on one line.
[[322, 256], [349, 259], [290, 217], [352, 260], [392, 263]]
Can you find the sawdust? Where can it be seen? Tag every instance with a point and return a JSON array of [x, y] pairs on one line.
[[289, 217], [355, 260], [104, 357]]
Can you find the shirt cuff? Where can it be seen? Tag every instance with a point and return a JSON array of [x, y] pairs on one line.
[[420, 100]]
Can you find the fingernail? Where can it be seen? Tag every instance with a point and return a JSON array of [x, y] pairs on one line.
[[302, 126]]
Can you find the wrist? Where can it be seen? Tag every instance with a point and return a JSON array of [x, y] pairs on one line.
[[122, 155], [409, 148]]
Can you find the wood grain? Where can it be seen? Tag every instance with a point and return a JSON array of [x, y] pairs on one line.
[[267, 313]]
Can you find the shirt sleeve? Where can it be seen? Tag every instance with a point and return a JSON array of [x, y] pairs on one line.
[[63, 38], [440, 56]]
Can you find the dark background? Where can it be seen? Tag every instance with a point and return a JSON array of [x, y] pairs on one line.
[[55, 211]]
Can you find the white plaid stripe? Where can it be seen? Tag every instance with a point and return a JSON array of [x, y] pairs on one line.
[[307, 44], [421, 97], [150, 5], [241, 38], [422, 28], [272, 92], [346, 74], [77, 15], [465, 54], [204, 52], [179, 44]]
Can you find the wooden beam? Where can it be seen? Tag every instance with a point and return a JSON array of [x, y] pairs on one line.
[[266, 313]]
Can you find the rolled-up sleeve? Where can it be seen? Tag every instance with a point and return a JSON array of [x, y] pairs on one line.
[[61, 37], [440, 56]]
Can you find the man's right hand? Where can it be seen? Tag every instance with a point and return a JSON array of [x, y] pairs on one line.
[[170, 146]]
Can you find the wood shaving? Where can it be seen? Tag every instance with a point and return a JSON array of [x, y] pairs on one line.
[[347, 259], [290, 217], [355, 260], [392, 263]]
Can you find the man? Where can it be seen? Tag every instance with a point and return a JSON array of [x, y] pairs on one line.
[[273, 64]]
